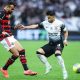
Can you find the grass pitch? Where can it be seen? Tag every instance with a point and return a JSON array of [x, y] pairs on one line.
[[71, 55]]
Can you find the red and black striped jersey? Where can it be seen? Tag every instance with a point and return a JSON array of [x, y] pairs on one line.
[[4, 24]]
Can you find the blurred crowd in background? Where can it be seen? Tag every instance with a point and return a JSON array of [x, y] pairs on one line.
[[33, 11]]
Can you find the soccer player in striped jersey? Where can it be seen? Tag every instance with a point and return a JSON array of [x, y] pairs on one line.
[[10, 43], [58, 35]]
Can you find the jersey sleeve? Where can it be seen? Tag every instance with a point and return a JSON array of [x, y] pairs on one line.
[[63, 28], [2, 14], [40, 25]]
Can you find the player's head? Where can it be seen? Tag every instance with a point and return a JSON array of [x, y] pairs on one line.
[[50, 16], [9, 7]]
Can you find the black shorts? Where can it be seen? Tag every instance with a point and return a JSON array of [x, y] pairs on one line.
[[51, 47]]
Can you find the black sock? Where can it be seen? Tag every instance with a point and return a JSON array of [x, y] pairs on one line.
[[9, 62], [23, 59]]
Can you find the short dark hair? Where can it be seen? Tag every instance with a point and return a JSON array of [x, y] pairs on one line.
[[11, 3], [51, 13]]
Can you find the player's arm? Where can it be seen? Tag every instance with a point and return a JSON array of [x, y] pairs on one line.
[[31, 26], [5, 34], [22, 27], [2, 14], [65, 35]]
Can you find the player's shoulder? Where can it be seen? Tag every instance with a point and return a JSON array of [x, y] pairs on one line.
[[45, 22], [59, 21]]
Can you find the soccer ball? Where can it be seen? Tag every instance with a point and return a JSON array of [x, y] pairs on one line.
[[76, 68]]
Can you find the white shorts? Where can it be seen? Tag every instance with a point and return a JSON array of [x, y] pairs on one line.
[[8, 42]]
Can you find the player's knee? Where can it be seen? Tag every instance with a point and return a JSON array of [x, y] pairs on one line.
[[16, 55], [40, 51], [57, 53], [37, 52]]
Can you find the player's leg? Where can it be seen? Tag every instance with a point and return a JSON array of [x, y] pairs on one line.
[[12, 59], [6, 43], [9, 62], [22, 55], [42, 54], [23, 59], [60, 60]]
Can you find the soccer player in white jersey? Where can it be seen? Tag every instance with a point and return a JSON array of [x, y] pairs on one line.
[[56, 31]]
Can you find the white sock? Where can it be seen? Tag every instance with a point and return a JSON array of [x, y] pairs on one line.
[[43, 59], [61, 62]]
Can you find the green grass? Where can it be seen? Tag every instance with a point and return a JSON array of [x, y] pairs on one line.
[[71, 55]]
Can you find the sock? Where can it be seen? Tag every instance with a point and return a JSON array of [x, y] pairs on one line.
[[9, 62], [61, 62], [23, 59], [43, 59]]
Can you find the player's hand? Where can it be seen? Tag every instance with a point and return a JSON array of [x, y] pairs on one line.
[[65, 42], [19, 26], [5, 33]]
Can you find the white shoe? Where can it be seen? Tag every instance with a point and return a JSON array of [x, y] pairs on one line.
[[48, 69], [65, 75]]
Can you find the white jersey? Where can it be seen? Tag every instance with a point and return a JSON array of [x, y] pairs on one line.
[[54, 29]]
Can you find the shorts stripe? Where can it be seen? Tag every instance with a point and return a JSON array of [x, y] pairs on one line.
[[7, 41]]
